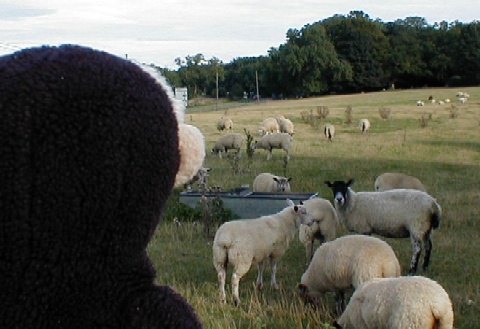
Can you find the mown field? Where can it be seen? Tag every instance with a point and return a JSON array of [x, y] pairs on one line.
[[444, 155]]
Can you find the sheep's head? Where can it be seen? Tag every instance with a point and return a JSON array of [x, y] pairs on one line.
[[340, 190], [283, 184]]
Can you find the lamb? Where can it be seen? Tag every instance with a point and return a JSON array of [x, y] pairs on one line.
[[395, 213], [394, 180], [225, 124], [266, 182], [324, 224], [274, 141], [269, 126], [329, 131], [364, 125], [243, 243], [402, 302], [228, 142], [346, 263], [286, 126]]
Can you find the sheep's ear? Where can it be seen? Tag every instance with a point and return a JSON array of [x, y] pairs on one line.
[[350, 182], [289, 179], [328, 183], [275, 179], [301, 202], [290, 203]]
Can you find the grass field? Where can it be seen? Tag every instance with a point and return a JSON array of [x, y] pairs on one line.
[[444, 155]]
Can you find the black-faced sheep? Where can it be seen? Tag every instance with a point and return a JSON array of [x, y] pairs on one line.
[[243, 243], [90, 151], [266, 182], [274, 141], [329, 131], [344, 264], [394, 213], [390, 181], [403, 302], [225, 124], [228, 142], [323, 227], [364, 125]]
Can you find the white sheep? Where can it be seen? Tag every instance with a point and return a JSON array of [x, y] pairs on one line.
[[395, 213], [324, 224], [274, 141], [243, 243], [420, 103], [269, 126], [344, 264], [286, 126], [329, 131], [447, 100], [394, 180], [225, 124], [266, 182], [228, 142], [364, 125], [402, 302]]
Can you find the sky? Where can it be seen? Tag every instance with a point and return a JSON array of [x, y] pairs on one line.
[[158, 31]]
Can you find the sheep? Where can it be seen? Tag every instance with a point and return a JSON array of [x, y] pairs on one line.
[[231, 141], [274, 141], [200, 178], [447, 100], [394, 180], [243, 243], [225, 124], [420, 103], [364, 125], [395, 213], [329, 131], [266, 182], [402, 302], [346, 263], [324, 224], [286, 126], [269, 126]]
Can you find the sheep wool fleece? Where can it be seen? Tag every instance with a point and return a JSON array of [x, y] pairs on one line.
[[89, 154]]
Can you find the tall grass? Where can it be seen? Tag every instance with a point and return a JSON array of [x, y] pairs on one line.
[[444, 155]]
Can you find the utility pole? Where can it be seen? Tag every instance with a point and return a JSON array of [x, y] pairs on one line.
[[256, 81], [216, 83]]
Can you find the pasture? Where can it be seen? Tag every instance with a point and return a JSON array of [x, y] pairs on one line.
[[444, 154]]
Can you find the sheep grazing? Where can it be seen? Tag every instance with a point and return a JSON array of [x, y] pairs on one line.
[[228, 142], [269, 126], [344, 264], [285, 126], [266, 182], [364, 125], [393, 180], [329, 131], [402, 302], [324, 224], [274, 141], [225, 124], [420, 103], [394, 214], [243, 243]]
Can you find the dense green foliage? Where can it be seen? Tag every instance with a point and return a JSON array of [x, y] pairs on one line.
[[342, 54]]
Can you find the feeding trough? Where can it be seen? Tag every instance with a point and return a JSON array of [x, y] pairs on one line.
[[245, 203]]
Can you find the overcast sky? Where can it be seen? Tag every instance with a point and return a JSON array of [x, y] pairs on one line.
[[158, 31]]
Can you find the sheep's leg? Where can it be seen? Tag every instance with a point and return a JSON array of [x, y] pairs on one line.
[[269, 155], [417, 249], [235, 285], [273, 269], [428, 251], [239, 271], [221, 283], [339, 302], [261, 267], [309, 251]]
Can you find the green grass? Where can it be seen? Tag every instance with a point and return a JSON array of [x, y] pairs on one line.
[[445, 156]]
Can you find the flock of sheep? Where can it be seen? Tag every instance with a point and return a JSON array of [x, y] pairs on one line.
[[462, 98], [398, 208]]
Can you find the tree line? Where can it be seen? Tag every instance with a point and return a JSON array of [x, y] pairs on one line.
[[343, 54]]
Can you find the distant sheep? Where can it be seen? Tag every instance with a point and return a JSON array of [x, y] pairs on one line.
[[266, 182], [228, 142], [344, 264], [324, 224], [286, 126], [329, 131], [269, 126], [390, 181], [243, 243], [200, 178], [274, 141], [364, 125], [420, 103], [225, 124], [394, 213], [402, 302]]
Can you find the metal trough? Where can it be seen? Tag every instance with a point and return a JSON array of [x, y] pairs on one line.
[[245, 203]]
